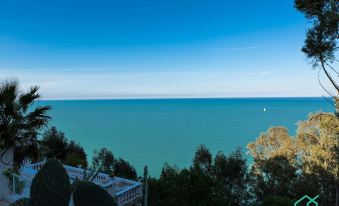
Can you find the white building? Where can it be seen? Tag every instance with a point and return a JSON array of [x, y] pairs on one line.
[[125, 192]]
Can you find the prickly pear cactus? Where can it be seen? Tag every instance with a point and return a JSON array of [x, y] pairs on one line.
[[89, 194], [51, 186], [21, 202]]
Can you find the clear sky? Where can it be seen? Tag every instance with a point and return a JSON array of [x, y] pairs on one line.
[[156, 48]]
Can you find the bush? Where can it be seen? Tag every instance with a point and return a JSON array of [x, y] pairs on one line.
[[51, 185], [88, 194]]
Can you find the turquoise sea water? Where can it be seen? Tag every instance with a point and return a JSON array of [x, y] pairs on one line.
[[154, 131]]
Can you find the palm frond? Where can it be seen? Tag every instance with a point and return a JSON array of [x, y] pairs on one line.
[[20, 124], [28, 98], [38, 118], [8, 91]]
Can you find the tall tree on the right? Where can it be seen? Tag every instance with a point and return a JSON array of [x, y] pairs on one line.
[[321, 47], [322, 36]]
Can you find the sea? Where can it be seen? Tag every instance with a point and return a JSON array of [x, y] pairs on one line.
[[153, 132]]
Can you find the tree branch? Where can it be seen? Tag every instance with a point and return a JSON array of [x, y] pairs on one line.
[[332, 68], [322, 86], [329, 76]]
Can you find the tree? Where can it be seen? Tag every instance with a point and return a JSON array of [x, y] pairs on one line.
[[316, 141], [109, 164], [202, 160], [293, 166], [124, 169], [205, 183], [105, 158], [273, 176], [20, 121], [275, 142], [230, 174], [75, 155], [56, 145], [321, 46]]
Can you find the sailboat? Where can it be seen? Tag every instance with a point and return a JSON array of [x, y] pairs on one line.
[[264, 109]]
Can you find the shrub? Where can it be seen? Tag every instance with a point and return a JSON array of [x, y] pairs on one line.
[[84, 195], [51, 185]]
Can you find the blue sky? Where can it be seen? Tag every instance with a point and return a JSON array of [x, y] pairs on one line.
[[156, 48]]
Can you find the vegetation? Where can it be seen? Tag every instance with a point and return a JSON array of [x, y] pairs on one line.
[[56, 145], [206, 182], [295, 166], [51, 185], [284, 167], [20, 122], [320, 45], [111, 165], [84, 195]]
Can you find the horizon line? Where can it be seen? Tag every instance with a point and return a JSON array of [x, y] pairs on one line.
[[169, 98]]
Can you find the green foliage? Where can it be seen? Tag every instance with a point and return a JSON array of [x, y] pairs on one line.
[[274, 176], [124, 169], [105, 158], [21, 202], [219, 182], [321, 38], [75, 155], [56, 145], [299, 165], [202, 160], [20, 121], [230, 173], [321, 41], [89, 194], [51, 185], [117, 167]]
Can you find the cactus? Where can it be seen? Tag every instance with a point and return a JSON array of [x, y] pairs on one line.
[[51, 186], [88, 194], [21, 202]]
